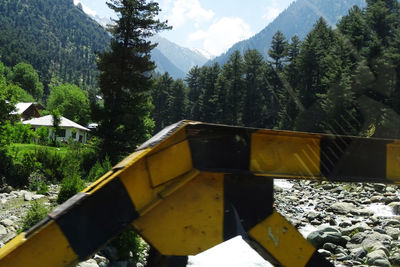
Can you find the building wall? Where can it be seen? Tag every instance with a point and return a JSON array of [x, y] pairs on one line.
[[76, 135]]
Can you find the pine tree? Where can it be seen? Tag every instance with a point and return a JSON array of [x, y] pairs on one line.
[[161, 94], [313, 65], [354, 27], [221, 100], [278, 50], [273, 90], [339, 104], [289, 99], [177, 102], [382, 17], [208, 78], [254, 103], [193, 82], [125, 78], [233, 72]]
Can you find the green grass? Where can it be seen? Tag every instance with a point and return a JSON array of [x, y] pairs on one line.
[[19, 149]]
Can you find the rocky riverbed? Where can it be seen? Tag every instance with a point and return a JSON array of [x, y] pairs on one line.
[[351, 224], [14, 204]]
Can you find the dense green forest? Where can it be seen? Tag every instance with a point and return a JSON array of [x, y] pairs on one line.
[[57, 38], [342, 81]]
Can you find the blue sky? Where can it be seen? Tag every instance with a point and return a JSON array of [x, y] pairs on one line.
[[210, 25]]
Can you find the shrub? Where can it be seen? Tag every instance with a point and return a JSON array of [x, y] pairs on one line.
[[16, 133], [128, 241], [99, 169], [37, 182], [42, 135], [70, 186], [35, 214], [23, 133], [19, 169], [52, 163]]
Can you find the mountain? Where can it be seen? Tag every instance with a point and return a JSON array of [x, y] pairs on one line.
[[55, 36], [183, 58], [298, 19], [165, 65], [60, 40], [168, 56]]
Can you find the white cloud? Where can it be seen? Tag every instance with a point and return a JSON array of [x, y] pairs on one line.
[[188, 10], [274, 8], [85, 8], [271, 14], [222, 34]]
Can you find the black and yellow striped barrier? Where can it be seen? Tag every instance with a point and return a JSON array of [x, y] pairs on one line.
[[195, 185]]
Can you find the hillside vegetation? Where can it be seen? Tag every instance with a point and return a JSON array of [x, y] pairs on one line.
[[55, 36]]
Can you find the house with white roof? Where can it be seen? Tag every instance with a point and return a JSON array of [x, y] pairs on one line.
[[27, 110], [68, 128]]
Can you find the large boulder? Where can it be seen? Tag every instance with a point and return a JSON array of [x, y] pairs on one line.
[[326, 235], [342, 207], [378, 258]]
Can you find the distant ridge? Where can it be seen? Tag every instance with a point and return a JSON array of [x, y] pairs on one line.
[[298, 19], [182, 58]]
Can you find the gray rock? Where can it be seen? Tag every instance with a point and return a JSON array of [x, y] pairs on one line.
[[341, 250], [395, 207], [375, 199], [358, 227], [5, 238], [393, 232], [3, 230], [342, 207], [342, 257], [21, 193], [324, 253], [277, 189], [315, 222], [6, 189], [382, 262], [391, 222], [88, 263], [358, 253], [345, 224], [357, 238], [320, 237], [328, 186], [328, 229], [28, 196], [329, 246], [293, 198], [376, 241], [379, 187], [377, 246], [378, 257], [100, 259], [38, 196], [378, 237], [395, 259], [362, 212], [3, 201], [7, 222], [312, 215]]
